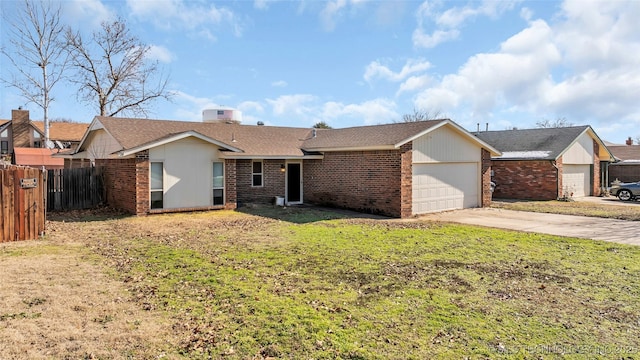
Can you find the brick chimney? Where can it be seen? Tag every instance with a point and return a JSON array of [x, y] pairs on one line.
[[629, 141], [21, 128]]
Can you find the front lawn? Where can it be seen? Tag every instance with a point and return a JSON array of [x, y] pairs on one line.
[[303, 283]]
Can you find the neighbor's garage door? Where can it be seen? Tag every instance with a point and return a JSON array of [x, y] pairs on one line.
[[576, 179], [445, 186]]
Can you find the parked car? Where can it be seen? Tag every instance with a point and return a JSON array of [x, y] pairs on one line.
[[625, 191]]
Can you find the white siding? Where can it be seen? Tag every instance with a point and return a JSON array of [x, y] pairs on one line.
[[188, 177], [444, 145], [581, 152]]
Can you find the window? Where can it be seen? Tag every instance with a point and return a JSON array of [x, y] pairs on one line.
[[218, 183], [220, 112], [157, 182], [256, 173], [4, 147], [36, 139]]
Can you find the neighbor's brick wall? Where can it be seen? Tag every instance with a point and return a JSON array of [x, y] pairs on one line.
[[530, 179], [366, 181], [486, 179], [273, 182]]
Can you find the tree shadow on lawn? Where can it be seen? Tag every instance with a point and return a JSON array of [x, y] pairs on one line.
[[302, 214]]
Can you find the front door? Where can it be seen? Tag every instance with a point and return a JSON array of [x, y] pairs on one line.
[[294, 183]]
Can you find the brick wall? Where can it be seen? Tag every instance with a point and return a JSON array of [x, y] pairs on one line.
[[597, 185], [406, 180], [120, 183], [273, 182], [230, 188], [485, 177], [624, 173], [526, 179], [366, 181], [142, 200]]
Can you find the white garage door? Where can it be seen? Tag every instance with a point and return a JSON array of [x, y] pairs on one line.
[[576, 180], [445, 186]]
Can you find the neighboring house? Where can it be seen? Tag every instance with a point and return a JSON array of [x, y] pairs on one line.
[[397, 170], [22, 140], [627, 165], [549, 163]]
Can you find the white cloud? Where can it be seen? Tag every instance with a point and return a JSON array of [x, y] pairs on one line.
[[279, 83], [93, 12], [583, 66], [180, 14], [376, 70], [414, 83], [252, 106], [299, 105], [376, 111], [448, 23], [334, 10], [160, 53]]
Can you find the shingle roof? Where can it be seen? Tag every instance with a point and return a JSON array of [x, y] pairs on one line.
[[264, 141], [252, 139], [544, 144], [367, 136], [63, 131], [626, 153]]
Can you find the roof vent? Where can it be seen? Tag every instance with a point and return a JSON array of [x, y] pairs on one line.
[[313, 133], [260, 123]]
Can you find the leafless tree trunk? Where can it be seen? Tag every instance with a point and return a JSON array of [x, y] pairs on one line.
[[37, 53], [113, 71]]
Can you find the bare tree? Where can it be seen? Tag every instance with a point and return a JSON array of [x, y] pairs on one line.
[[114, 72], [421, 115], [557, 123], [37, 53]]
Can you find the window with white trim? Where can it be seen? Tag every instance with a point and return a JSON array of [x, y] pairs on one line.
[[256, 173], [218, 183], [156, 185]]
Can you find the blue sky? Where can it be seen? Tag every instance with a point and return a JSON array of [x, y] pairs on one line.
[[358, 62]]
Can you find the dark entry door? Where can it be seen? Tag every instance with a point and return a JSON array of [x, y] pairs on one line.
[[294, 188]]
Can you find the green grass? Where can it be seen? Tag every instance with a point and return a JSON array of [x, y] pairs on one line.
[[325, 286], [572, 208]]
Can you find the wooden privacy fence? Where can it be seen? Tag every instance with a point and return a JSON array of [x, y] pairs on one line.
[[21, 203], [74, 189]]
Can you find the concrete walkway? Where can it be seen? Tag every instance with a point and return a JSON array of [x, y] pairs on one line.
[[619, 231]]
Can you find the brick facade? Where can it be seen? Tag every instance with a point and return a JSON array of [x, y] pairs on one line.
[[624, 173], [597, 184], [527, 179], [273, 182], [366, 181], [120, 183], [485, 177]]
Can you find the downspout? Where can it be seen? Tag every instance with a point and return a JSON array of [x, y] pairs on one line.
[[553, 163]]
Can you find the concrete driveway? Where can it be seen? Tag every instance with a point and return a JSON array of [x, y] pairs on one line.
[[619, 231]]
